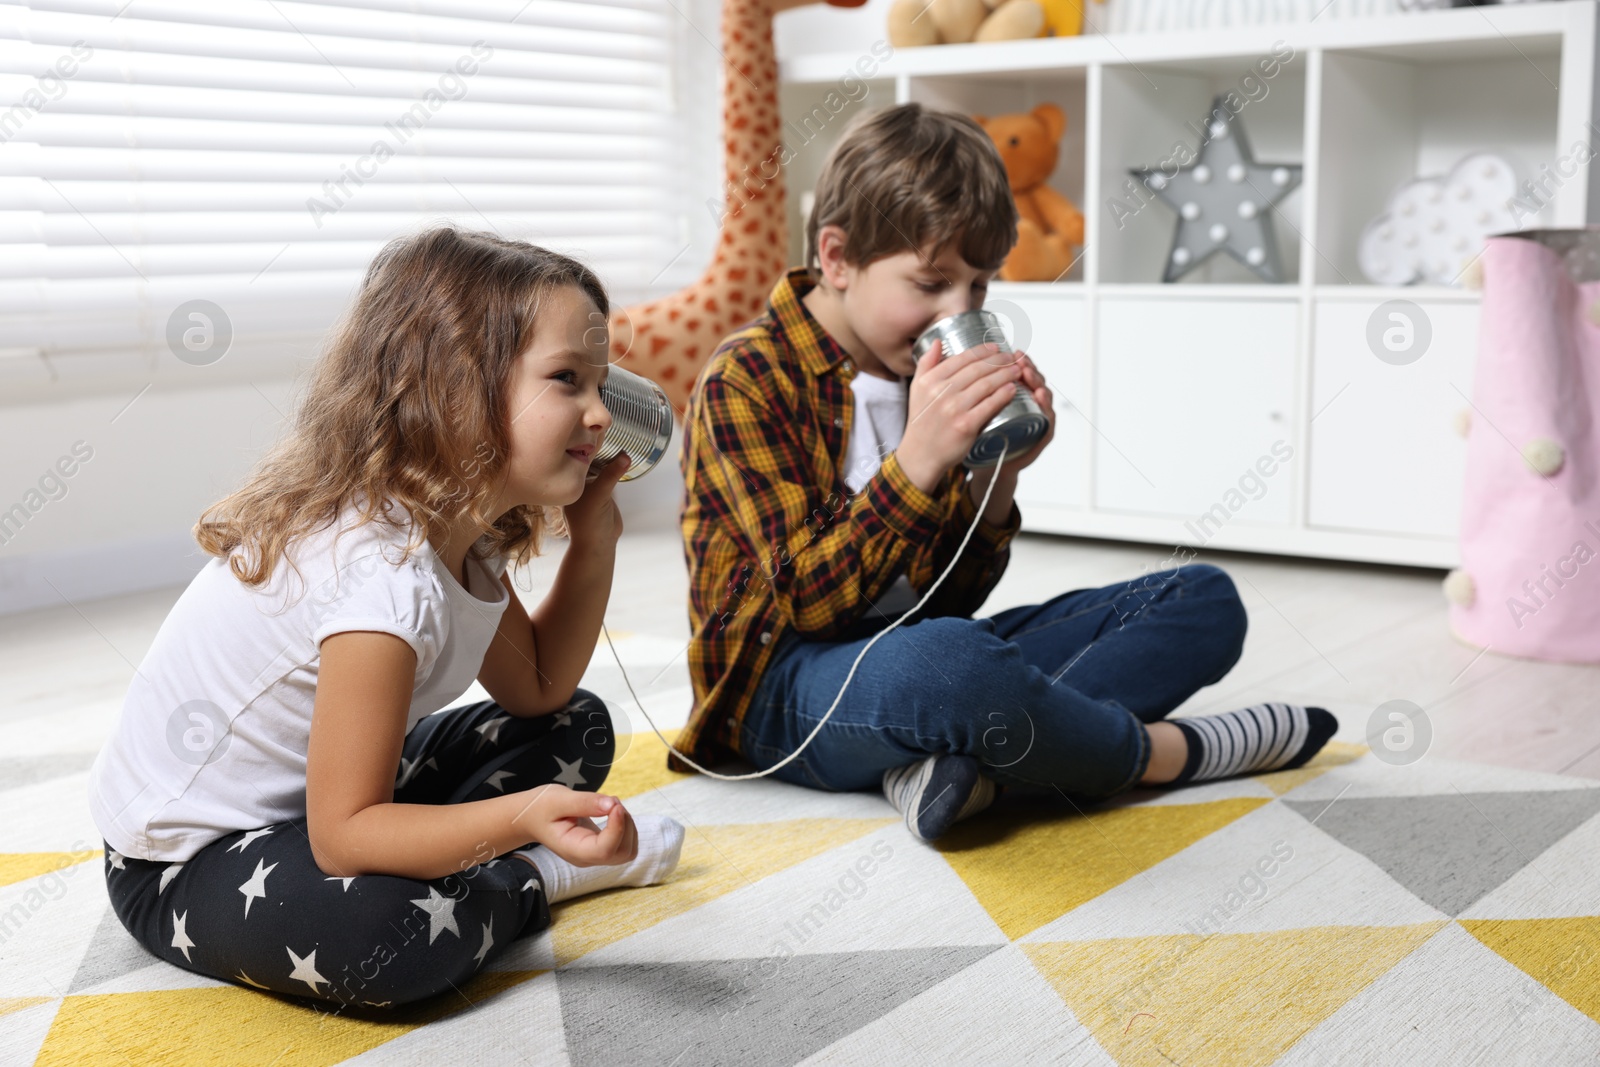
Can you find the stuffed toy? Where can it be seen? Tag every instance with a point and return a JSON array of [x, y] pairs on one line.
[[914, 23], [1048, 225]]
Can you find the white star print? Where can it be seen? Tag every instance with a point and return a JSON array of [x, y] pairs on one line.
[[251, 981], [498, 777], [180, 936], [305, 969], [116, 859], [256, 886], [491, 732], [532, 883], [346, 881], [377, 1003], [247, 838], [571, 773], [563, 718], [441, 913], [409, 769], [488, 940], [168, 875]]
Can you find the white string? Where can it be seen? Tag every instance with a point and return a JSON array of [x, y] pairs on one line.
[[829, 714]]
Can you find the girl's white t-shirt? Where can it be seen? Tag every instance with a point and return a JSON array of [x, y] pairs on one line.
[[214, 728], [881, 407]]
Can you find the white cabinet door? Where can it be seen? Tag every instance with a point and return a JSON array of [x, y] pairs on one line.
[[1048, 323], [1193, 409], [1389, 379]]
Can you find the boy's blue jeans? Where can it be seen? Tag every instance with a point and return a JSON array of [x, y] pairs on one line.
[[1047, 697]]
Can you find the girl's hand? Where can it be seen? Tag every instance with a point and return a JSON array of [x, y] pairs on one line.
[[594, 518], [562, 820], [950, 402]]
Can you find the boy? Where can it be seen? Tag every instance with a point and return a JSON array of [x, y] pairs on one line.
[[823, 496]]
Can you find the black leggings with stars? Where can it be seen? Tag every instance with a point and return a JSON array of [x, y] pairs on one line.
[[253, 907]]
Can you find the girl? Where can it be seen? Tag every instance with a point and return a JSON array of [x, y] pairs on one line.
[[280, 806]]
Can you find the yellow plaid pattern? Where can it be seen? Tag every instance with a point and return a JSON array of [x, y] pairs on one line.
[[774, 539]]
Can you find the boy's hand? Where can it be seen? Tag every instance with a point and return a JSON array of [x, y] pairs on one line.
[[950, 403], [1033, 381], [594, 518], [562, 820]]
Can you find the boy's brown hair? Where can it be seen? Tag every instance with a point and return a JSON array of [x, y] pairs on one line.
[[910, 178]]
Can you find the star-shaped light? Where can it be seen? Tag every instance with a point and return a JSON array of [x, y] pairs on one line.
[[488, 941], [180, 936], [497, 780], [441, 913], [571, 773], [247, 838], [256, 886], [306, 969], [1224, 201], [168, 875], [490, 731]]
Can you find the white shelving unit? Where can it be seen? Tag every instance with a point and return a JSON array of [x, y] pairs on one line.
[[1173, 400]]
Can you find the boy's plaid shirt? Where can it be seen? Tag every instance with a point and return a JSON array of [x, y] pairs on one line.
[[773, 538]]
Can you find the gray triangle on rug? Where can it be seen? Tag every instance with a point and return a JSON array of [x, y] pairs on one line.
[[112, 953], [767, 1012], [1452, 849]]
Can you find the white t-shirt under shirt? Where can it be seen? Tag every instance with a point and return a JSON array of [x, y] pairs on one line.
[[881, 408], [213, 732]]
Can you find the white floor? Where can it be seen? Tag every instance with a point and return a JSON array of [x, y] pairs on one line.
[[1346, 636]]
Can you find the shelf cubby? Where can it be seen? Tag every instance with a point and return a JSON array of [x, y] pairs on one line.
[[1151, 115], [989, 96], [1393, 114]]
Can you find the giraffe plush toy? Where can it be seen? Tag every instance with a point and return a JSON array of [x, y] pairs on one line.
[[669, 339]]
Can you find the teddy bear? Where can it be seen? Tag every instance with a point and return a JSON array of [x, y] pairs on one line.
[[913, 23], [1048, 224]]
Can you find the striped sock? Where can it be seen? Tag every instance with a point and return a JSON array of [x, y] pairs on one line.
[[1262, 737], [936, 793]]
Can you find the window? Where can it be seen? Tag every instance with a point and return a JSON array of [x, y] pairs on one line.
[[167, 162]]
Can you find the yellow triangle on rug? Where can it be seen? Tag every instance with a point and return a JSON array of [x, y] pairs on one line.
[[20, 866], [1561, 954], [640, 765], [230, 1026], [1027, 870], [1233, 1000]]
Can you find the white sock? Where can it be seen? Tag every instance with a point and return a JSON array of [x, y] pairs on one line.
[[660, 843]]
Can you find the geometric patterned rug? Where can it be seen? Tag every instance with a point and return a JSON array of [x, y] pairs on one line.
[[1347, 912]]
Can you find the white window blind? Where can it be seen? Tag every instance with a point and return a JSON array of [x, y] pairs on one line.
[[257, 153]]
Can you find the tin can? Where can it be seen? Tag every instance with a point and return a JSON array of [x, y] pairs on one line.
[[1021, 423], [641, 422]]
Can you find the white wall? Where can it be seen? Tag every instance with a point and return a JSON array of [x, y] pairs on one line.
[[120, 521]]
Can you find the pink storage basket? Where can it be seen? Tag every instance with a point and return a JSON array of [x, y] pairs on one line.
[[1529, 582]]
